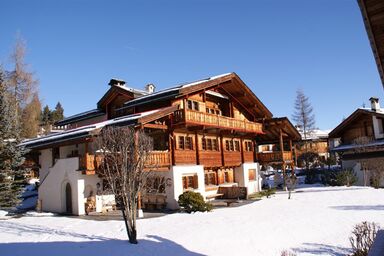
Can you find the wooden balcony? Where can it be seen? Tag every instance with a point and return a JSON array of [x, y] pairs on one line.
[[223, 122], [158, 160], [270, 157]]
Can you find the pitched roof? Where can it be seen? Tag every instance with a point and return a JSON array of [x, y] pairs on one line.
[[81, 116], [335, 133], [237, 89], [272, 130], [373, 16], [90, 130]]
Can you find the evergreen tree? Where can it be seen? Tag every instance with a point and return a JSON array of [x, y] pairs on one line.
[[46, 115], [12, 178], [58, 113]]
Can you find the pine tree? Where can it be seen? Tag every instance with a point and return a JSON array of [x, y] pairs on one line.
[[12, 178], [58, 113], [304, 118]]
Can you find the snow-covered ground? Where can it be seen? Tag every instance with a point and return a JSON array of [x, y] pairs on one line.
[[316, 221]]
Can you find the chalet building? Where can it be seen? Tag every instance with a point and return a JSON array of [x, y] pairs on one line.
[[358, 138], [317, 142], [206, 134]]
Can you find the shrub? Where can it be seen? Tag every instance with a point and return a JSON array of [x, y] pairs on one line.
[[287, 253], [311, 176], [267, 192], [346, 177], [193, 202], [362, 238]]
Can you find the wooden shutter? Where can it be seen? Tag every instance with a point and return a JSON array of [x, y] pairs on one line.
[[195, 181], [230, 176], [220, 175]]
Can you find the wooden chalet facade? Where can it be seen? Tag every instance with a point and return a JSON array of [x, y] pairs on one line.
[[206, 136], [358, 138]]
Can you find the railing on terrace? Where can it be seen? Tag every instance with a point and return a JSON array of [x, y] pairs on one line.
[[274, 156], [191, 116]]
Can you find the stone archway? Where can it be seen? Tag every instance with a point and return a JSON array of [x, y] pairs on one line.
[[68, 198]]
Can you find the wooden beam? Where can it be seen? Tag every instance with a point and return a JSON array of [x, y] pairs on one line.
[[197, 148], [156, 126]]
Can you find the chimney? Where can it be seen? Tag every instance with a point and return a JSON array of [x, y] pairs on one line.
[[150, 88], [117, 82], [375, 106]]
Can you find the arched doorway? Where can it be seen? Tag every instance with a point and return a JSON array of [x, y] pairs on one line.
[[68, 199]]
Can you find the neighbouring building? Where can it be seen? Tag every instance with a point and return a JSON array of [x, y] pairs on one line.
[[317, 142], [206, 135], [359, 139]]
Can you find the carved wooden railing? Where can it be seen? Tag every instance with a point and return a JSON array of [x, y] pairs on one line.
[[266, 157], [203, 118], [158, 159], [89, 163]]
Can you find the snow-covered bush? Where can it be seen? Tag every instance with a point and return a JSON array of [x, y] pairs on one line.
[[193, 202], [362, 238]]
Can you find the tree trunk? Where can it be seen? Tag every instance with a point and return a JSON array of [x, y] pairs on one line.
[[131, 232]]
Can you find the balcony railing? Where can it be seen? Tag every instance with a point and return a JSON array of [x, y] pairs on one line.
[[266, 157], [88, 163], [158, 159], [202, 118]]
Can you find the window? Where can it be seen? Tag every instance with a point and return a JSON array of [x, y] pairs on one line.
[[194, 105], [209, 144], [232, 145], [190, 182], [248, 146], [213, 111], [185, 142], [210, 178], [237, 145], [251, 174]]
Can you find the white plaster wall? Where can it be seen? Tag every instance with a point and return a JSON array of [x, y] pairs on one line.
[[176, 188], [241, 177], [45, 161], [52, 189], [359, 173]]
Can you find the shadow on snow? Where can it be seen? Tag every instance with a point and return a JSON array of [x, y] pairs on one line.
[[378, 207], [322, 249], [98, 245]]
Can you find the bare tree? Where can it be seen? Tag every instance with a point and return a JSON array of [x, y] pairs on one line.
[[304, 117], [21, 84], [124, 152]]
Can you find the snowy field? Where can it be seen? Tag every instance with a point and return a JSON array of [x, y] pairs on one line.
[[316, 221]]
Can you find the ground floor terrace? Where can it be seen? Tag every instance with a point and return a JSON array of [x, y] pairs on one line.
[[316, 221], [71, 185]]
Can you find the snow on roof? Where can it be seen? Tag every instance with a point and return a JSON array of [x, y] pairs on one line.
[[380, 111], [176, 88], [79, 115], [315, 134], [352, 146], [131, 89], [85, 129]]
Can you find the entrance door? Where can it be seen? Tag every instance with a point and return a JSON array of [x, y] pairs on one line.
[[68, 199]]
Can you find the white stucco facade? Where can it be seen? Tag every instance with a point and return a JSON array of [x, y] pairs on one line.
[[53, 188]]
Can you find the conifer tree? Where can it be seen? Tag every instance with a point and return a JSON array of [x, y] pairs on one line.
[[58, 113], [12, 178]]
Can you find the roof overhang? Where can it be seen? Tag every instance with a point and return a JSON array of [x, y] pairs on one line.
[[373, 16], [272, 128]]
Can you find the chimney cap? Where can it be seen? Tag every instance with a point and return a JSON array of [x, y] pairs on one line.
[[374, 99], [115, 81], [150, 88]]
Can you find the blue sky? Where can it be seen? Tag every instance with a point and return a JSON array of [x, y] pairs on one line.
[[275, 46]]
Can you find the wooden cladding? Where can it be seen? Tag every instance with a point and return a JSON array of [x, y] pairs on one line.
[[223, 122], [89, 163], [159, 159], [266, 157]]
